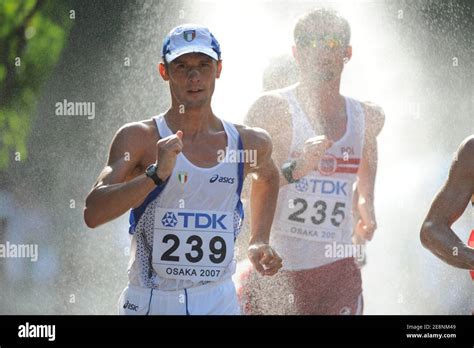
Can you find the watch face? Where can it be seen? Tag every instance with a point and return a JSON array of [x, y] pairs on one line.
[[151, 170]]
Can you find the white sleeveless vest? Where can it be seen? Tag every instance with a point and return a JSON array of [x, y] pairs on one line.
[[183, 234], [313, 219]]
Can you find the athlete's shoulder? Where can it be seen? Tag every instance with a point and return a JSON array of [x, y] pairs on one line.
[[254, 138], [266, 106], [374, 117], [465, 153], [270, 111], [468, 144], [276, 96], [134, 136], [138, 129]]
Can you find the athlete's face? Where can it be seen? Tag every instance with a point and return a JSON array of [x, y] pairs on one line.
[[321, 55], [192, 78]]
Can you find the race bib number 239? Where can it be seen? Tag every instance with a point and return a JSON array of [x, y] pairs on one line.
[[192, 244]]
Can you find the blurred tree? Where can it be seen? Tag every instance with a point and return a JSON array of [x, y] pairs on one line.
[[32, 36]]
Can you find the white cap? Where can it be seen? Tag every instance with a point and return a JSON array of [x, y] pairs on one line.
[[190, 38]]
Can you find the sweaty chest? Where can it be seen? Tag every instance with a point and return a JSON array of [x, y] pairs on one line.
[[207, 153]]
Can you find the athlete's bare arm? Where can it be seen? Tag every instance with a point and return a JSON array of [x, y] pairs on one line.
[[263, 198], [122, 184], [374, 122], [448, 205], [270, 112]]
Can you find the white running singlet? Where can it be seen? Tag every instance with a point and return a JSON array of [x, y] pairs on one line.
[[183, 234], [313, 219]]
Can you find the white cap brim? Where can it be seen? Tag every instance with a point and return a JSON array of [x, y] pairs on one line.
[[191, 49]]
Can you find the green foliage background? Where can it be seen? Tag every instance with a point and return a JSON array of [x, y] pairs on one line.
[[32, 36]]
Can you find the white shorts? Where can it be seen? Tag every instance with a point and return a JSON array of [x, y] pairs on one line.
[[215, 298]]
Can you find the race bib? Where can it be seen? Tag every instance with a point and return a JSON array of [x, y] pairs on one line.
[[316, 209], [192, 245]]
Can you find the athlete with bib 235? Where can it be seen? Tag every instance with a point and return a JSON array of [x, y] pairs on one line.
[[179, 174], [448, 205], [324, 143]]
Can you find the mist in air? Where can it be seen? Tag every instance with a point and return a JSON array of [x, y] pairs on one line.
[[412, 60]]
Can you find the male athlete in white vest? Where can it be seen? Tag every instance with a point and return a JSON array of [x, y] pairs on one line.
[[181, 174], [324, 143]]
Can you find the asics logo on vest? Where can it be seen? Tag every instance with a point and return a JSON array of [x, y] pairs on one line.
[[222, 179], [169, 220], [195, 220], [324, 187], [130, 306]]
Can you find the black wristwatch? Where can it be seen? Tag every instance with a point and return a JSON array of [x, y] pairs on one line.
[[287, 170], [151, 172]]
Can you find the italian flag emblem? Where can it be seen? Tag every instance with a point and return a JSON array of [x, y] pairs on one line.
[[183, 177], [189, 35]]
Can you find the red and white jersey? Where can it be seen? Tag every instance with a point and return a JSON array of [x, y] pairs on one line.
[[313, 221]]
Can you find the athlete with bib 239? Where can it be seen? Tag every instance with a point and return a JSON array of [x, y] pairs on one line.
[[324, 143], [183, 183]]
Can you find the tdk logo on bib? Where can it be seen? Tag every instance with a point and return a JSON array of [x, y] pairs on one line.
[[222, 179], [322, 187], [194, 220], [302, 185], [169, 220]]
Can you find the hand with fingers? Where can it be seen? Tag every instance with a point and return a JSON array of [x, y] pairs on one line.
[[264, 258], [366, 225], [313, 150], [167, 149]]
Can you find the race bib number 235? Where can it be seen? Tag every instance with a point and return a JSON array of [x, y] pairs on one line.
[[316, 210]]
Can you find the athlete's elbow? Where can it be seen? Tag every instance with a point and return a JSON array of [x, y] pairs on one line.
[[427, 233], [90, 218]]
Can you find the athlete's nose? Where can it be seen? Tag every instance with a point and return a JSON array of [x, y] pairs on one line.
[[194, 75]]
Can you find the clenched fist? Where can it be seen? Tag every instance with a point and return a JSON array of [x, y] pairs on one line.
[[167, 149], [313, 150], [265, 260]]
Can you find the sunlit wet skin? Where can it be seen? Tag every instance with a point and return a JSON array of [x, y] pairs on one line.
[[201, 149], [190, 81], [203, 152], [448, 205]]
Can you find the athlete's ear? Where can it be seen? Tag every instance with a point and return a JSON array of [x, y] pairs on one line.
[[219, 68], [348, 53], [294, 50], [163, 72]]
